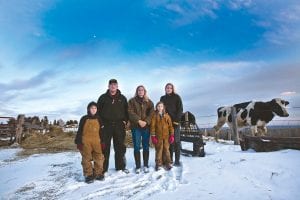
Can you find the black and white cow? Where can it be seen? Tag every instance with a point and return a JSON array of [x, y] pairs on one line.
[[254, 114]]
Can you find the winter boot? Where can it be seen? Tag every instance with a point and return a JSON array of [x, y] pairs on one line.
[[138, 170], [177, 154], [146, 161], [89, 179], [137, 157], [146, 158], [171, 149], [168, 167], [157, 167], [146, 170], [100, 177]]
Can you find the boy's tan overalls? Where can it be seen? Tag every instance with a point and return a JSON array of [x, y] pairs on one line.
[[91, 148]]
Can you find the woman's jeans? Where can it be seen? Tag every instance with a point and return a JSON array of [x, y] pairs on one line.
[[140, 135]]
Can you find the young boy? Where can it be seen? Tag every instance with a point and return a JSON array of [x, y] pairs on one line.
[[162, 133], [88, 140]]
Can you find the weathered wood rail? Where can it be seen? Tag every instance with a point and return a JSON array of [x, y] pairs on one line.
[[13, 129], [267, 143]]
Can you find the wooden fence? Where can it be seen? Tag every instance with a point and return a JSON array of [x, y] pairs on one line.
[[13, 129]]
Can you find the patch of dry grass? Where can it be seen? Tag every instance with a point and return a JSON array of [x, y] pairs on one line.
[[4, 143], [53, 142]]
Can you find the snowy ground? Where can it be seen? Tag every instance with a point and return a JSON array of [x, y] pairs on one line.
[[225, 173]]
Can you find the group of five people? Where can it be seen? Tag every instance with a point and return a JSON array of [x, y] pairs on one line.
[[107, 120]]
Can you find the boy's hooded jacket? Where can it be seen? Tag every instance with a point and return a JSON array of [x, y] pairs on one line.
[[78, 139]]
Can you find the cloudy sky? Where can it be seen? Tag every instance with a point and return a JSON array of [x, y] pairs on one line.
[[57, 55]]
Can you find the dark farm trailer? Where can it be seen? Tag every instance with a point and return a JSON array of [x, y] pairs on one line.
[[190, 132]]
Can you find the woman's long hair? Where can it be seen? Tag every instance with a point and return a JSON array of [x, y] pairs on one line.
[[146, 98], [173, 87]]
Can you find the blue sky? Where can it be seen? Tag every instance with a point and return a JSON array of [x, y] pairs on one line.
[[56, 56]]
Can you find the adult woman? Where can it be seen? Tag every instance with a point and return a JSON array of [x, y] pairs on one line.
[[173, 104], [140, 110]]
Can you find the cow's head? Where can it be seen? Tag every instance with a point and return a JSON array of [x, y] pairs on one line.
[[279, 107]]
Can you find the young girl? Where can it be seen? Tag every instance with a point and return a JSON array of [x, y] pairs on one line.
[[162, 135], [89, 144]]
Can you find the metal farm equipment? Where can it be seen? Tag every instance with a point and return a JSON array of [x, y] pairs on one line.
[[190, 132]]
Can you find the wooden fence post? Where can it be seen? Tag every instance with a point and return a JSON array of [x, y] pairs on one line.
[[19, 128], [235, 126]]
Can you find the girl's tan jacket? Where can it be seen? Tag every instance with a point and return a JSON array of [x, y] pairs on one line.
[[161, 126]]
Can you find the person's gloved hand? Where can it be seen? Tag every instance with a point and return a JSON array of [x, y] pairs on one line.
[[154, 139], [80, 147], [103, 146], [171, 139]]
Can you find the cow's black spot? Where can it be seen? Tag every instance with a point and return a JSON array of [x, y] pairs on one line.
[[230, 118], [251, 112], [220, 112], [224, 113], [262, 111], [276, 108], [244, 114], [240, 106]]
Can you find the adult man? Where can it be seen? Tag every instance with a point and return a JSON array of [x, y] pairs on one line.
[[113, 111]]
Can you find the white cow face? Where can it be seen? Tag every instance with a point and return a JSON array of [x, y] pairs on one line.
[[279, 107]]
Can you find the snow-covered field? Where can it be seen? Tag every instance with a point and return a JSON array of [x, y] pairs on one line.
[[225, 173]]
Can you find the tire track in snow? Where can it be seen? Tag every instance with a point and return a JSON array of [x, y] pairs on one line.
[[127, 186]]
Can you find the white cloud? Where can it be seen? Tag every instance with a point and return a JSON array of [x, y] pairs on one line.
[[238, 4], [281, 19], [21, 28], [22, 17], [229, 65], [187, 11], [288, 93]]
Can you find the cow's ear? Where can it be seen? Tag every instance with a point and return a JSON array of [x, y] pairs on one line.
[[273, 101]]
